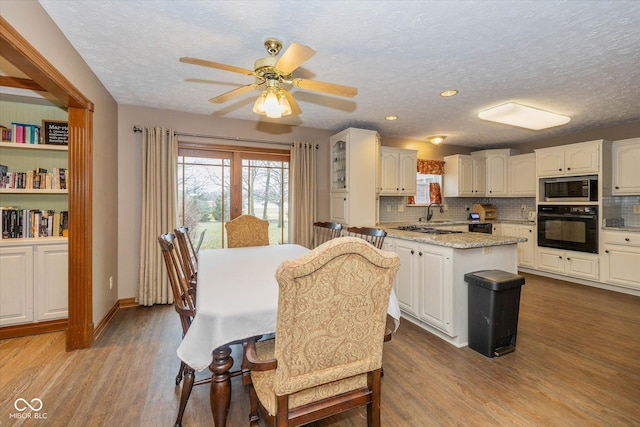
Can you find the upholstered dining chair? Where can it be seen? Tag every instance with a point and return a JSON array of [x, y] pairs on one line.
[[327, 352], [247, 230], [325, 231], [375, 236]]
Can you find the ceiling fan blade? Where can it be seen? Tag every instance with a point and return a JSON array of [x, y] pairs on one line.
[[331, 88], [293, 57], [295, 108], [211, 64], [233, 93]]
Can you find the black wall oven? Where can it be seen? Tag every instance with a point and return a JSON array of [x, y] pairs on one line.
[[573, 228]]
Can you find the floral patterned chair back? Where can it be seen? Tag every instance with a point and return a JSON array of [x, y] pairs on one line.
[[247, 230]]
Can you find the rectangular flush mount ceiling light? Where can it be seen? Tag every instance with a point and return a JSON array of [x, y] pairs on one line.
[[525, 117]]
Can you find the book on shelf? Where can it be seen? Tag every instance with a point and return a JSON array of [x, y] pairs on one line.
[[25, 133], [6, 134], [37, 179], [18, 223]]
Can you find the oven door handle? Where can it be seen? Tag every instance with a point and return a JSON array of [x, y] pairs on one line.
[[543, 216]]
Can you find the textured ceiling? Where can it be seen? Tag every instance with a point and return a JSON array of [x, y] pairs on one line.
[[577, 58]]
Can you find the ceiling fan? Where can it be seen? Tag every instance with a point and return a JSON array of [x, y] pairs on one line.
[[270, 72]]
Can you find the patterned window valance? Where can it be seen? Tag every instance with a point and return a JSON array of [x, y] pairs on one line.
[[431, 167]]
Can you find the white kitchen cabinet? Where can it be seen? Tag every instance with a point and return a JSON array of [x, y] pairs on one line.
[[569, 263], [464, 176], [507, 229], [522, 175], [573, 159], [354, 177], [527, 250], [33, 280], [497, 168], [398, 168], [626, 167], [434, 271], [621, 258], [406, 290], [339, 208]]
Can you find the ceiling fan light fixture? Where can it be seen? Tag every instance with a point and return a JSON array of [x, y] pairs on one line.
[[522, 116], [436, 140]]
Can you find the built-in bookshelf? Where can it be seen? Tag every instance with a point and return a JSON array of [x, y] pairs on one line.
[[33, 175]]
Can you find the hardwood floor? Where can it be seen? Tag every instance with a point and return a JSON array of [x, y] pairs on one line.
[[577, 363]]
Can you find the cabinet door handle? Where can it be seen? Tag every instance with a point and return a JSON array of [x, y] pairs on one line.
[[568, 259], [560, 257], [568, 169], [530, 231], [412, 251], [607, 251], [617, 188], [420, 253], [345, 199], [560, 169]]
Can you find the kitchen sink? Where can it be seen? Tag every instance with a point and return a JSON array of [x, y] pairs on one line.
[[427, 230]]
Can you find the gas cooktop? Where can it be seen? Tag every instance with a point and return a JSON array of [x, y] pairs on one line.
[[426, 230]]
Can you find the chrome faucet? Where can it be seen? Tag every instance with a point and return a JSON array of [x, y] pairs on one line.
[[429, 213]]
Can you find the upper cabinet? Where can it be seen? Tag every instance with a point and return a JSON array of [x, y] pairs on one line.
[[574, 159], [398, 168], [355, 157], [626, 167], [522, 175], [497, 168], [464, 176]]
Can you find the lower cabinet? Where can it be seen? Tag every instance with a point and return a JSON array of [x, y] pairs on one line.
[[33, 282], [424, 287], [527, 250], [621, 258], [570, 263]]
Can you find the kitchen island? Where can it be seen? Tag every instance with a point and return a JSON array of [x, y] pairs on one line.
[[430, 284]]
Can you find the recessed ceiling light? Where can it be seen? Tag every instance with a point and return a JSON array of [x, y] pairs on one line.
[[391, 118], [448, 93], [435, 140], [522, 116]]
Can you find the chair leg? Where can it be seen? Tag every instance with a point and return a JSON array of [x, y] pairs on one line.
[[187, 385], [180, 375]]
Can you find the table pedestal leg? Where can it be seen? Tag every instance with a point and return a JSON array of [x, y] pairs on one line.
[[220, 394]]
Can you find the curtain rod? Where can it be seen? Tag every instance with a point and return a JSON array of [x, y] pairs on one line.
[[226, 138]]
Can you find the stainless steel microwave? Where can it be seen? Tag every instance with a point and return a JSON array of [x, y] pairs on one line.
[[571, 189]]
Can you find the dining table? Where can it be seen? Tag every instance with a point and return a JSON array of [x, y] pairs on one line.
[[236, 300]]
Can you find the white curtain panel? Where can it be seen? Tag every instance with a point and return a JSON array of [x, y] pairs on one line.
[[159, 212], [303, 209]]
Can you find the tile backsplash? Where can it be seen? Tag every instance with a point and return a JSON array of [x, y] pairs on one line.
[[508, 208]]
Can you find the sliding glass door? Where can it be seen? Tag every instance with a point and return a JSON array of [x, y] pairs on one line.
[[216, 185]]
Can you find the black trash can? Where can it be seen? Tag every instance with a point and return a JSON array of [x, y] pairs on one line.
[[494, 302]]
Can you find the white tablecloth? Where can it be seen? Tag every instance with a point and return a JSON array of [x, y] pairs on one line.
[[238, 298]]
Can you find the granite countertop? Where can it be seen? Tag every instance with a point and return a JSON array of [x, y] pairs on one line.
[[440, 223], [454, 240], [628, 228]]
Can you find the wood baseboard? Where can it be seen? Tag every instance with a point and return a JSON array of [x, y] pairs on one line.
[[128, 303], [33, 329], [105, 321]]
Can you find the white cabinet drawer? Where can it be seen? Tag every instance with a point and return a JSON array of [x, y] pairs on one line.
[[621, 238]]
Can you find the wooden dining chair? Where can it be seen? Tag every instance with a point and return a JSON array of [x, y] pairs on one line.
[[188, 254], [327, 352], [184, 304], [325, 231], [247, 230], [375, 236]]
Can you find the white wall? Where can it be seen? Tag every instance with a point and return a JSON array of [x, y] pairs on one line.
[[33, 23]]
